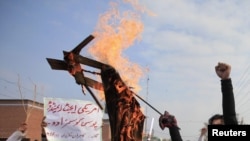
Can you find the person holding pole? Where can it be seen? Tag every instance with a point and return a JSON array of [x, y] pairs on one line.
[[170, 122]]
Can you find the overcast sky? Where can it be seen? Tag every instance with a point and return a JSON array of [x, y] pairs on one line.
[[179, 44]]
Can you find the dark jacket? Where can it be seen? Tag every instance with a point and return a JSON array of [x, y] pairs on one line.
[[175, 133], [228, 104]]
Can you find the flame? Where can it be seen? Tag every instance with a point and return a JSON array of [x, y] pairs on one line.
[[115, 32]]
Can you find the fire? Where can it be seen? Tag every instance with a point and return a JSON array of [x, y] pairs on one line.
[[116, 32]]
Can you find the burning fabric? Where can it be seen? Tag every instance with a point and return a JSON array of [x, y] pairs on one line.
[[125, 116]]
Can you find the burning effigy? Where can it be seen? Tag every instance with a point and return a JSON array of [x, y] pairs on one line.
[[114, 33], [125, 115]]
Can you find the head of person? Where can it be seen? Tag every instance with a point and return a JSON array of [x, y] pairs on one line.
[[23, 127], [216, 119]]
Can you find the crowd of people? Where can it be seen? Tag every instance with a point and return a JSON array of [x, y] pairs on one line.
[[228, 117]]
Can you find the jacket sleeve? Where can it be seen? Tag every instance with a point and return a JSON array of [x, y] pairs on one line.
[[43, 137], [228, 103], [175, 133]]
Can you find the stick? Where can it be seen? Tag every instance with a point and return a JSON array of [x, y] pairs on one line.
[[96, 100], [147, 103]]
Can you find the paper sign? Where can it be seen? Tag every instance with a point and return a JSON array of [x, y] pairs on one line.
[[72, 120]]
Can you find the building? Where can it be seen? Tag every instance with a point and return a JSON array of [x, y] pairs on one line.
[[15, 111]]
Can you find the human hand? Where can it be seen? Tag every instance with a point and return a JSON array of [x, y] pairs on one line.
[[43, 125], [167, 120], [203, 131], [223, 70], [23, 127]]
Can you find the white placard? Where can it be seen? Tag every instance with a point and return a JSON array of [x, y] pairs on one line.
[[72, 120]]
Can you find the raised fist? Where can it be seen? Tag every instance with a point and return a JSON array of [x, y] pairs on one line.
[[223, 70]]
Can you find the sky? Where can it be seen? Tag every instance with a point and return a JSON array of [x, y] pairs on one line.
[[177, 42]]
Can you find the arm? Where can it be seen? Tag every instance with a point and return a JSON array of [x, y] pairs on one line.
[[228, 105], [43, 134], [175, 133], [203, 133], [169, 121]]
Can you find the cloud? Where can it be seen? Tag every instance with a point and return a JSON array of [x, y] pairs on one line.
[[185, 40]]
